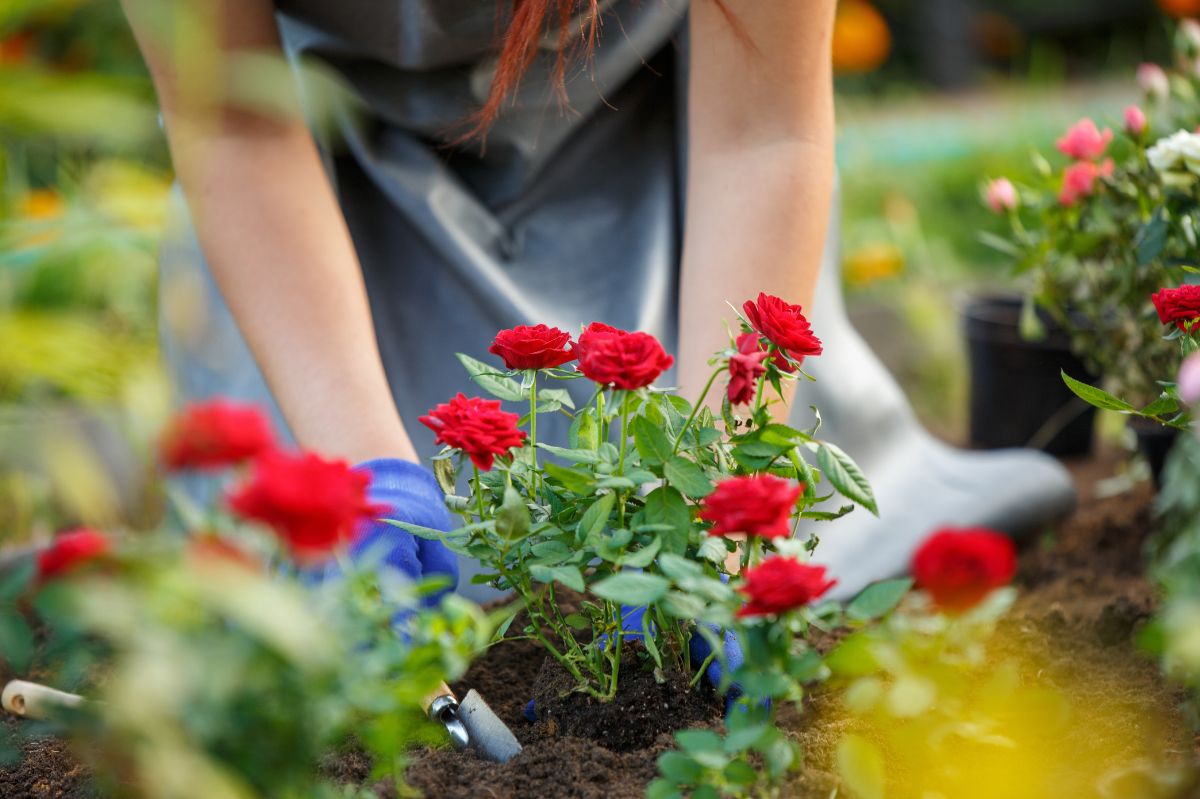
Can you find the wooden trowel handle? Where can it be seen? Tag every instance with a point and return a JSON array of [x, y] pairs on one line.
[[30, 700], [443, 690]]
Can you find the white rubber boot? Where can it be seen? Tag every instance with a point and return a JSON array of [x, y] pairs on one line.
[[920, 483]]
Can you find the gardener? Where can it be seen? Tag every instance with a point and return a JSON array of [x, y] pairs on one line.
[[691, 165]]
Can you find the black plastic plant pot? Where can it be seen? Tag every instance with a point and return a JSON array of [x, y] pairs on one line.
[[1154, 442], [1018, 398]]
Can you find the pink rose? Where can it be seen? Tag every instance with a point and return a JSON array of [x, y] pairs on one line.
[[1084, 141], [1001, 195], [1188, 381], [1079, 180], [1153, 81], [1135, 121]]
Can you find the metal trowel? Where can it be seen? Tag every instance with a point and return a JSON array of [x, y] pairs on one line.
[[472, 724]]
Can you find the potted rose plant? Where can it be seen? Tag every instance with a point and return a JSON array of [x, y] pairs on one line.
[[1094, 240]]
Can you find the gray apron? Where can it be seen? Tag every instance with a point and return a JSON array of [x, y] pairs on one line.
[[568, 216]]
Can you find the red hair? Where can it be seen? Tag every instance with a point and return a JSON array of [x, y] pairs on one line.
[[519, 43]]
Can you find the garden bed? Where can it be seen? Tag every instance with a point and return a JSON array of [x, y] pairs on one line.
[[1083, 600]]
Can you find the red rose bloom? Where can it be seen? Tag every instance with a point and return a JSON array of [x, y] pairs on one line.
[[745, 368], [760, 505], [784, 326], [476, 426], [1181, 305], [214, 434], [314, 505], [537, 347], [960, 567], [70, 550], [780, 584], [613, 357]]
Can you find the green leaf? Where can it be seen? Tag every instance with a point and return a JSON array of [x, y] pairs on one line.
[[1151, 238], [713, 549], [678, 768], [574, 480], [512, 519], [739, 772], [678, 568], [551, 553], [17, 579], [682, 605], [1164, 404], [16, 640], [687, 477], [493, 381], [556, 395], [596, 516], [652, 443], [577, 621], [665, 505], [843, 473], [998, 243], [584, 433], [1096, 396], [648, 640], [418, 530], [644, 556], [632, 588], [878, 599], [862, 767], [570, 576], [573, 455], [693, 741]]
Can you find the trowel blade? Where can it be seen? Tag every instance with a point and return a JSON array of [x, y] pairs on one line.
[[488, 735]]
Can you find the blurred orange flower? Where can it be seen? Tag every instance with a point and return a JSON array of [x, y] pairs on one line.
[[861, 38], [1180, 8]]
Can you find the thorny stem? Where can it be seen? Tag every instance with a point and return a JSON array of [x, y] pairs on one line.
[[696, 408]]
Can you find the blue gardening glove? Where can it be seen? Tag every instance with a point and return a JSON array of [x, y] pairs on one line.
[[411, 494]]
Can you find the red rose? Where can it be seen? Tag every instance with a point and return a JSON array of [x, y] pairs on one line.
[[780, 584], [960, 567], [476, 426], [745, 368], [537, 347], [313, 504], [71, 550], [759, 505], [1181, 305], [613, 357], [784, 326], [213, 434]]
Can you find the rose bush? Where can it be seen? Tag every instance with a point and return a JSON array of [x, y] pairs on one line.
[[1108, 240]]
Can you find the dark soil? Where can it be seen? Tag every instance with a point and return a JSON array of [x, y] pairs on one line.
[[1082, 603]]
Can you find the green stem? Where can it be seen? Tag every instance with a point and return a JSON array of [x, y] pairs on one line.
[[703, 668], [762, 382], [696, 408], [624, 433], [478, 492], [533, 415]]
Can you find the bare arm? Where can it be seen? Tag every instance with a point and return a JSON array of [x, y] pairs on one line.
[[271, 227], [760, 164]]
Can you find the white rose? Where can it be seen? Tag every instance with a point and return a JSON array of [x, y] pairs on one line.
[[1179, 152]]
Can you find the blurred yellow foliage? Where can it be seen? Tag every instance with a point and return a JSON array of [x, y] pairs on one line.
[[65, 354], [872, 262]]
